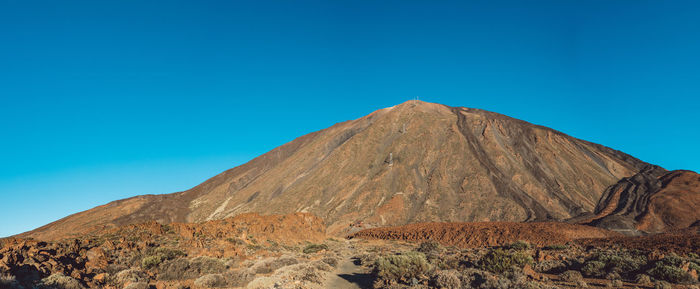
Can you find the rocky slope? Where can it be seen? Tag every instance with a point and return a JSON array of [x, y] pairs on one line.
[[414, 162], [652, 201], [167, 256]]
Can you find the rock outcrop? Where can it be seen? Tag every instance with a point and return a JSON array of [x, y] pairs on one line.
[[652, 201]]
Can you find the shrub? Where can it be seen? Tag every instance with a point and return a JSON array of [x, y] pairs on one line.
[[167, 253], [593, 268], [401, 268], [571, 276], [210, 281], [158, 255], [556, 247], [617, 283], [447, 279], [127, 276], [669, 273], [428, 247], [238, 278], [151, 261], [519, 245], [331, 261], [367, 259], [313, 248], [271, 264], [207, 265], [643, 279], [668, 269], [551, 266], [237, 242], [499, 260], [694, 266], [623, 262], [60, 281]]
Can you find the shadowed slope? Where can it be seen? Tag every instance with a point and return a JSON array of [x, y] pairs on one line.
[[412, 162]]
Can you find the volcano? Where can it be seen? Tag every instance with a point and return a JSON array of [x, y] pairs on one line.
[[413, 162]]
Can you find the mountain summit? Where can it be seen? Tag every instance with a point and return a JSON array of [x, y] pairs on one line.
[[412, 162]]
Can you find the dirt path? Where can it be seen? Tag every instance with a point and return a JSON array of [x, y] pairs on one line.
[[349, 274]]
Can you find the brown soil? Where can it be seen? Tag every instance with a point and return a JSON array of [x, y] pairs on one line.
[[472, 235]]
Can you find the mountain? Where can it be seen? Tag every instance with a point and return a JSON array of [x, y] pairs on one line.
[[652, 201], [414, 162]]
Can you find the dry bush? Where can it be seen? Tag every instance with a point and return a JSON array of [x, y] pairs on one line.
[[401, 268], [211, 281], [313, 248], [239, 278], [60, 281], [551, 266], [128, 276], [448, 279], [331, 261], [429, 247], [207, 265], [668, 269], [623, 262], [498, 260], [571, 276], [269, 265], [182, 268], [643, 279], [518, 245], [367, 259], [617, 283], [155, 256]]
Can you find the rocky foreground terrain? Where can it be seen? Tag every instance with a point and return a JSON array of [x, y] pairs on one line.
[[293, 251]]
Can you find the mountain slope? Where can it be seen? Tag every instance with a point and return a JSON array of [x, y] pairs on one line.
[[653, 200], [413, 162]]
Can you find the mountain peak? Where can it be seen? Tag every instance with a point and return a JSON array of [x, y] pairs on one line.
[[416, 161]]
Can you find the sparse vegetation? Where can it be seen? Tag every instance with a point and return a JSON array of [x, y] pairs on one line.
[[401, 268], [670, 273], [518, 245], [211, 281], [60, 281], [313, 248], [622, 262], [158, 255], [447, 279], [499, 260], [428, 247], [571, 276], [151, 261], [556, 247]]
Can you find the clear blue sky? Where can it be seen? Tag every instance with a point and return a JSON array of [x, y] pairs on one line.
[[101, 100]]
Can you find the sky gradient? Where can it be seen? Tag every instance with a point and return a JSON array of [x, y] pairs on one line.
[[101, 100]]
